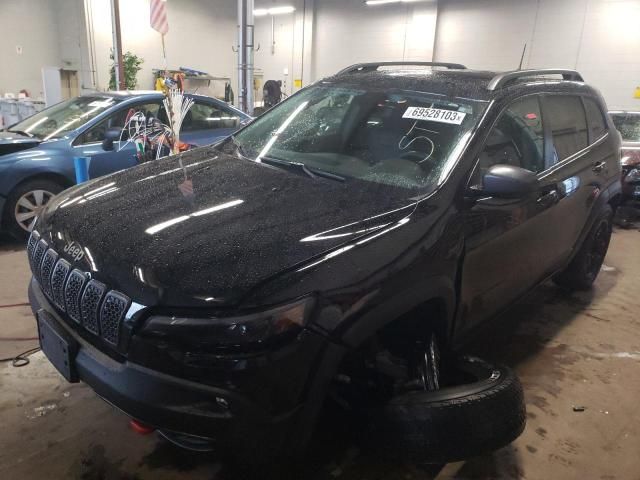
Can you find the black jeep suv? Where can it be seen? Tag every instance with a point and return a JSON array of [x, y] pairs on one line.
[[342, 242]]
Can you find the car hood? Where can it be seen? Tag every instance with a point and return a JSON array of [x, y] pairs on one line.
[[205, 228], [14, 142], [630, 154]]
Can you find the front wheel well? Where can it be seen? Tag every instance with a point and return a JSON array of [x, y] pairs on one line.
[[386, 359], [57, 178], [417, 325], [50, 176]]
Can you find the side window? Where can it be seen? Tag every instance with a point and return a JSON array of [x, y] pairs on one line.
[[516, 139], [205, 116], [568, 125], [595, 118], [117, 120]]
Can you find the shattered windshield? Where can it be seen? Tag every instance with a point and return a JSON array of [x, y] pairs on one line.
[[400, 138]]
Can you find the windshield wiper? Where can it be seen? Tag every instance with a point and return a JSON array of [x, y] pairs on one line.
[[312, 172], [239, 148], [22, 132]]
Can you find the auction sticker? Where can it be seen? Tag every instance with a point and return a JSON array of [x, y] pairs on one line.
[[435, 115]]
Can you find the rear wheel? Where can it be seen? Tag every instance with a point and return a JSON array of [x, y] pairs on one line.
[[25, 203], [585, 266]]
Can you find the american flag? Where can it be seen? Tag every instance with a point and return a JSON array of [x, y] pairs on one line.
[[159, 20]]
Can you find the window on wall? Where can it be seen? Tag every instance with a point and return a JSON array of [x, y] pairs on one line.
[[568, 125], [595, 118], [204, 116], [517, 139]]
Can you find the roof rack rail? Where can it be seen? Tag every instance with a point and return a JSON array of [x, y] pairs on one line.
[[367, 67], [503, 79]]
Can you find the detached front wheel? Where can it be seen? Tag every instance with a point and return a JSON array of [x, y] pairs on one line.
[[482, 411]]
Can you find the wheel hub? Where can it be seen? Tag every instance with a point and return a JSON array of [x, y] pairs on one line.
[[429, 366], [29, 206]]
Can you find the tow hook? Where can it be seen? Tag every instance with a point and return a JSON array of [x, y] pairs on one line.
[[140, 428]]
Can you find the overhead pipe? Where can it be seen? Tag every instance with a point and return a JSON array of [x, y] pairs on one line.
[[245, 55], [117, 45]]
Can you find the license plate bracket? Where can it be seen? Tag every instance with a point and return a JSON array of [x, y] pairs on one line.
[[58, 346]]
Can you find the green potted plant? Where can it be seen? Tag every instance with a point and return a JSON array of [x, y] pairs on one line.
[[132, 65]]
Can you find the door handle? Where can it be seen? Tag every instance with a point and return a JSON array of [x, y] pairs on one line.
[[599, 167], [548, 199]]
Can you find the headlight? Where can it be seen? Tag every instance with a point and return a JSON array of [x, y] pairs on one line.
[[633, 176], [254, 329]]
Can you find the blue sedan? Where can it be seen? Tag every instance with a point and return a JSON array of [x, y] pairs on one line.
[[36, 154]]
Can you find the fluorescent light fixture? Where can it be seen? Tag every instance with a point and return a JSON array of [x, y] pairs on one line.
[[261, 12], [384, 2]]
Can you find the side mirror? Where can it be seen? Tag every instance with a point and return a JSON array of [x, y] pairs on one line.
[[110, 136], [507, 181]]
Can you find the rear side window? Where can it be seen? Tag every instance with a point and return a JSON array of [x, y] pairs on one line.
[[595, 118], [568, 124], [204, 116]]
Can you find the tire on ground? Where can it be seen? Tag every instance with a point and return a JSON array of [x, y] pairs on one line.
[[453, 423], [8, 219], [578, 275]]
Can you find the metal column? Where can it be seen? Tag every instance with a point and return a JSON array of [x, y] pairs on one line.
[[117, 45], [245, 55]]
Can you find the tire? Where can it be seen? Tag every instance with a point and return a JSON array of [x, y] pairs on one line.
[[453, 423], [32, 191], [585, 266]]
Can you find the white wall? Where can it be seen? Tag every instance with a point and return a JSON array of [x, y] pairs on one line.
[[201, 35], [599, 38], [30, 24], [273, 62], [348, 32], [293, 34]]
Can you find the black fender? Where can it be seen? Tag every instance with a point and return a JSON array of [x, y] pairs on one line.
[[434, 289]]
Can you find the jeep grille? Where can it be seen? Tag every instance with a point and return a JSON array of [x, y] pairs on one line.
[[86, 301]]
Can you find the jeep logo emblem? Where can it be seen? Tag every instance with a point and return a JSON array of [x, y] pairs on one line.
[[74, 251]]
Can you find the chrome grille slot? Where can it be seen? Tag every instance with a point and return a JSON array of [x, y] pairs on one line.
[[31, 246], [48, 262], [113, 309], [72, 293], [38, 253], [58, 279], [90, 304]]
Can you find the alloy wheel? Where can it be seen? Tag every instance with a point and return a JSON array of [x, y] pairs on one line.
[[29, 206], [599, 248]]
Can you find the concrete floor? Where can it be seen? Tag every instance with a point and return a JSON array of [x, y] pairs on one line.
[[569, 350]]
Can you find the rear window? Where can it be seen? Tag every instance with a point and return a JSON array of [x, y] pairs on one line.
[[568, 124], [628, 124], [595, 117]]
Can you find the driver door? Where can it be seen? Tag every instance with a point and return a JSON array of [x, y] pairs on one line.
[[509, 242], [123, 155]]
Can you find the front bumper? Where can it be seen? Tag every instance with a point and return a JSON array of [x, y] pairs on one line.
[[167, 402]]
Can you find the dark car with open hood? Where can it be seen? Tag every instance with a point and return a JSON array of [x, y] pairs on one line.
[[343, 245], [628, 124]]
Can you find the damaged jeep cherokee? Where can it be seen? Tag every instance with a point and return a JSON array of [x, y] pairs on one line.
[[343, 243]]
